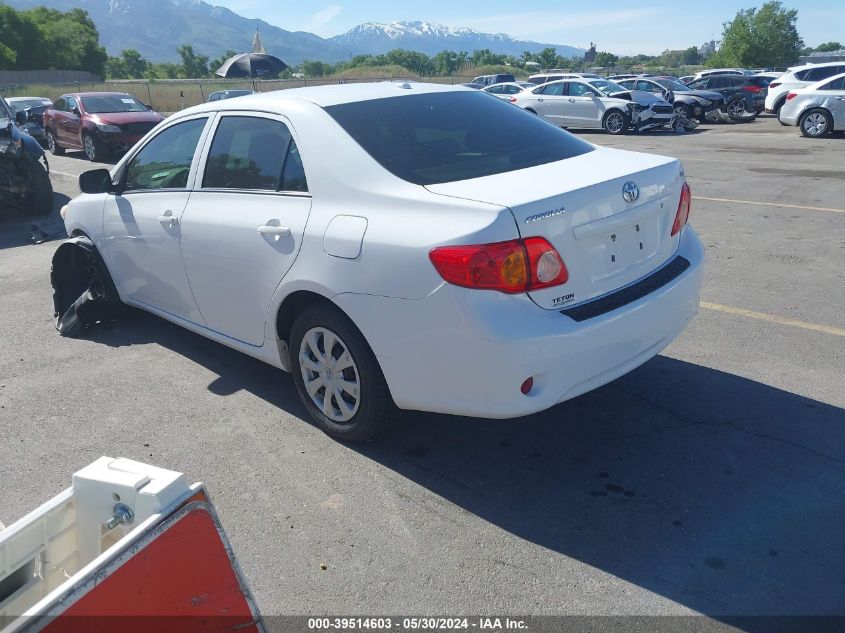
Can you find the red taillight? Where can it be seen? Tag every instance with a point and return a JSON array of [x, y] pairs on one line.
[[752, 88], [511, 267], [682, 215], [774, 84], [791, 96]]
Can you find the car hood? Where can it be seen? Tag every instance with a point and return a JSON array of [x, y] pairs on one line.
[[704, 94], [121, 118]]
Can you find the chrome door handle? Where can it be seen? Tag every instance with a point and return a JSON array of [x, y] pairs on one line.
[[539, 99], [168, 217], [571, 100], [279, 231]]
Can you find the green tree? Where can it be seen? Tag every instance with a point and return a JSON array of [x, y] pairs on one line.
[[312, 69], [70, 40], [767, 36], [128, 65], [447, 62], [828, 47], [606, 60], [418, 63], [194, 66], [547, 57], [691, 56]]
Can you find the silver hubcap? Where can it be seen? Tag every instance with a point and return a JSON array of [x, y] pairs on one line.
[[815, 124], [89, 147], [615, 122], [330, 375], [736, 108]]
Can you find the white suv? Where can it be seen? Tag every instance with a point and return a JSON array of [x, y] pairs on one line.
[[799, 77], [396, 246]]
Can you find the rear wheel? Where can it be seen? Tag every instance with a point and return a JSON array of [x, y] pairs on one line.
[[53, 145], [337, 375], [40, 199], [815, 123], [615, 122]]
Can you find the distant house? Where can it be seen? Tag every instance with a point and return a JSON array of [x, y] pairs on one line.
[[590, 54], [707, 49], [821, 58]]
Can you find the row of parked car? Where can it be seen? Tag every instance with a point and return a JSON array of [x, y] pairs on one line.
[[633, 103], [618, 103]]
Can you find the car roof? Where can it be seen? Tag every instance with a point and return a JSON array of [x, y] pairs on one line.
[[97, 94], [10, 99], [330, 95]]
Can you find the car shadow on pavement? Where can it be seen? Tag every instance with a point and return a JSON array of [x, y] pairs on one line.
[[720, 493], [18, 230]]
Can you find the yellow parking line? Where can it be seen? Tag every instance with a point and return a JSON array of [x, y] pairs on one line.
[[770, 204], [771, 318]]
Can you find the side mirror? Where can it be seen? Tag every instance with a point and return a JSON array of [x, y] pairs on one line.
[[149, 107], [96, 181], [21, 117], [76, 111]]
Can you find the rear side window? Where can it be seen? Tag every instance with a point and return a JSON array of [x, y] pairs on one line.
[[448, 136], [247, 153], [836, 84], [553, 90], [718, 82], [821, 72], [165, 162]]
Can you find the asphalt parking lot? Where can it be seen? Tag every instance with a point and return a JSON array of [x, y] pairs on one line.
[[711, 480]]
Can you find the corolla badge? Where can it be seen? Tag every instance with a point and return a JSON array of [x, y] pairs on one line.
[[630, 191]]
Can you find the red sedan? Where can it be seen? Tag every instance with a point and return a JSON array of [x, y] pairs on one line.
[[99, 123]]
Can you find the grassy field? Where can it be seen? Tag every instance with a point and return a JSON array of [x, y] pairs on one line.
[[173, 95], [170, 95]]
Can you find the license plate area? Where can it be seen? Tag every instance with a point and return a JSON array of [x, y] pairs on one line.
[[621, 246]]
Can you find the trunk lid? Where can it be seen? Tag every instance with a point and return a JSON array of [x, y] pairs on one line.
[[577, 205]]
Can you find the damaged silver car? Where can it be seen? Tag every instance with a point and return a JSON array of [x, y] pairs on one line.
[[587, 103]]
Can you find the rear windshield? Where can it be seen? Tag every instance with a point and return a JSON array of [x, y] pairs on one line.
[[443, 137]]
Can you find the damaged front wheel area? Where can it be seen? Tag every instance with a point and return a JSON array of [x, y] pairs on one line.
[[83, 291]]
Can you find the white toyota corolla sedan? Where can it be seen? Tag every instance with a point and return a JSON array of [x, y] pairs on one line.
[[399, 246]]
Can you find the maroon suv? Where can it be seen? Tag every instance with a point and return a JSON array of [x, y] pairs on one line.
[[98, 123]]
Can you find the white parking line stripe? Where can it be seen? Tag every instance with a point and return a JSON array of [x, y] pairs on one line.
[[771, 318], [770, 204]]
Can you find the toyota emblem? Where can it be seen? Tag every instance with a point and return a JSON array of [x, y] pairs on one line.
[[630, 191]]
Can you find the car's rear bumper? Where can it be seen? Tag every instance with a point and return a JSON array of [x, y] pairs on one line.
[[467, 352]]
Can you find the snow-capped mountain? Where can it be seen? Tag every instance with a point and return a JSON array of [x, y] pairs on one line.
[[156, 28], [431, 38]]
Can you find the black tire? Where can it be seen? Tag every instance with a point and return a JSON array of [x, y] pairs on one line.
[[40, 200], [778, 106], [615, 122], [375, 409], [54, 145], [815, 123], [93, 148], [735, 109]]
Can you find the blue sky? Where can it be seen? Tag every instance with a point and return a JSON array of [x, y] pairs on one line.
[[615, 25]]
